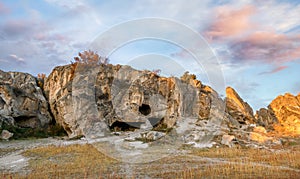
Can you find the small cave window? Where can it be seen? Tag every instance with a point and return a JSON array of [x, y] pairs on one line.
[[145, 109]]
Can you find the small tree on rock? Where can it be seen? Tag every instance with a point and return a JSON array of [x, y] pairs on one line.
[[90, 58]]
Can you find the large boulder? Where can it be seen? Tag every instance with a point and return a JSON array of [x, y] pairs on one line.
[[237, 108], [72, 92], [5, 135], [22, 103]]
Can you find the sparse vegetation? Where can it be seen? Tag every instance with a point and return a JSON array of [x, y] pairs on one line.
[[75, 161], [156, 71], [90, 57], [40, 80], [85, 161]]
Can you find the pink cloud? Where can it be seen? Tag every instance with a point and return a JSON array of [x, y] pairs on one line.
[[50, 37], [266, 46], [230, 22], [244, 42], [275, 70]]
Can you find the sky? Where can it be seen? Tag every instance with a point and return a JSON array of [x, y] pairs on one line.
[[256, 44]]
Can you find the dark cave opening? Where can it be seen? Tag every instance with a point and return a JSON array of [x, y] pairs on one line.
[[145, 109], [125, 126]]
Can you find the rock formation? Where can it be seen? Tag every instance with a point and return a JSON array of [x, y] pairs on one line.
[[22, 103], [237, 108], [101, 100], [5, 135], [87, 100], [286, 109], [58, 91], [266, 118]]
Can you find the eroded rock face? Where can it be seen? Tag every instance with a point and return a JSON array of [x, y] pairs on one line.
[[237, 108], [89, 101], [22, 103], [286, 109], [266, 118], [58, 90]]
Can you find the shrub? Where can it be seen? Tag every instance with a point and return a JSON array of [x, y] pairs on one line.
[[91, 58], [40, 80]]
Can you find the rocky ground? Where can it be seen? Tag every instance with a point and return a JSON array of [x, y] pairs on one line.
[[183, 162]]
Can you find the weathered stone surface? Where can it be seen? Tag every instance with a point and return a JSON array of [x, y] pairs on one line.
[[5, 135], [75, 91], [237, 108], [259, 134], [86, 101], [266, 118], [286, 109], [22, 103], [152, 135], [58, 90]]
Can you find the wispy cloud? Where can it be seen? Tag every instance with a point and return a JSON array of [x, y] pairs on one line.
[[268, 47], [246, 41], [230, 22], [275, 70], [15, 58]]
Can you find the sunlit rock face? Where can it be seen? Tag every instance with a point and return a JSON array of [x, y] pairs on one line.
[[286, 109], [237, 108]]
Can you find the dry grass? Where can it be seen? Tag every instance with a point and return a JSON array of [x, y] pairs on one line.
[[85, 161], [288, 157], [74, 161], [231, 170]]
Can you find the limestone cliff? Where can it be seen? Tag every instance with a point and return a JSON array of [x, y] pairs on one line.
[[22, 103], [88, 100]]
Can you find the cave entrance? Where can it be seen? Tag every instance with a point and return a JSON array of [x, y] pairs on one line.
[[145, 109], [125, 126]]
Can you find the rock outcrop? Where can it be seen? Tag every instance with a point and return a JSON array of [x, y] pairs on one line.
[[22, 103], [101, 100], [266, 118], [286, 109], [86, 100], [58, 91], [237, 108]]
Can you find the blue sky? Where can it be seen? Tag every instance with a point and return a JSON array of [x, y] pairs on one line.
[[257, 43]]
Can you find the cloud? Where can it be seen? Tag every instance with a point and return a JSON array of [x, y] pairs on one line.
[[275, 70], [230, 22], [16, 59], [69, 4], [280, 16], [24, 28], [264, 41], [268, 47]]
